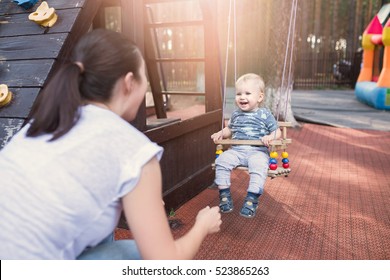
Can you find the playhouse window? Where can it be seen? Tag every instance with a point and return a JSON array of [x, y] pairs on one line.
[[378, 62]]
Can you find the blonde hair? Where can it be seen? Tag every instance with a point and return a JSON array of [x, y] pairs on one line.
[[259, 82]]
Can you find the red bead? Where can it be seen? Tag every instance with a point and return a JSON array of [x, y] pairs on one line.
[[273, 166], [286, 165]]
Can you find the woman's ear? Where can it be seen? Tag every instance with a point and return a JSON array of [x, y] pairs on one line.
[[129, 82]]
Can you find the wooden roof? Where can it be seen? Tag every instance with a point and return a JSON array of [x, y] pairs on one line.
[[29, 53]]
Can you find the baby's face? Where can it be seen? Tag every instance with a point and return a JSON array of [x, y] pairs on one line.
[[248, 96]]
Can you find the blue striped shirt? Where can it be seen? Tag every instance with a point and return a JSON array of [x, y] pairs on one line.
[[252, 125]]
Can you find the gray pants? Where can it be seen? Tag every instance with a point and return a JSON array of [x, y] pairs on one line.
[[255, 160]]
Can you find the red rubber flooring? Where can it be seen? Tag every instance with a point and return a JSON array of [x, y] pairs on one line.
[[334, 205]]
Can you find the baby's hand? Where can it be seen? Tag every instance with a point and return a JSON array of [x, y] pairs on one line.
[[266, 140], [217, 136]]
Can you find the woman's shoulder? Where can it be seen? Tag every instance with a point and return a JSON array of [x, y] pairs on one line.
[[100, 117], [105, 124]]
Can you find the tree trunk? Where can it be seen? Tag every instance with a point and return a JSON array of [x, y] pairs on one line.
[[279, 91]]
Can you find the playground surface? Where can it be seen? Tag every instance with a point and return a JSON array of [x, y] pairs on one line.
[[338, 108], [334, 205]]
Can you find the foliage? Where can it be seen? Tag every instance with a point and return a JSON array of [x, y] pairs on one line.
[[172, 213]]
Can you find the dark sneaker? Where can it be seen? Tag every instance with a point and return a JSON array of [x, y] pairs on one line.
[[249, 208], [225, 201]]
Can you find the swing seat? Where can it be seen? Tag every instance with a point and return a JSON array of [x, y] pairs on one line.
[[276, 145], [280, 171]]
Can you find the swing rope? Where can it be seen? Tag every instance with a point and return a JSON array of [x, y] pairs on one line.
[[286, 89], [289, 52], [235, 40], [226, 65], [289, 81]]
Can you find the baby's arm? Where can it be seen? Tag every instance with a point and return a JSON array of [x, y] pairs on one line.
[[274, 135], [222, 134]]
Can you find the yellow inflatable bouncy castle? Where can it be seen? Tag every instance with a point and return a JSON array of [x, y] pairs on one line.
[[373, 84]]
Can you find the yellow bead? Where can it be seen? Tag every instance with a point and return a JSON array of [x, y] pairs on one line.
[[284, 155], [273, 154]]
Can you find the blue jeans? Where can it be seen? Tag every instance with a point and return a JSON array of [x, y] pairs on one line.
[[255, 160], [109, 249]]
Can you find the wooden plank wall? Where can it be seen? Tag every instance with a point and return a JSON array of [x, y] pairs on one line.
[[189, 151], [188, 154], [29, 53]]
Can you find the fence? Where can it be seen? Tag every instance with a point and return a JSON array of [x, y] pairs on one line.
[[326, 70]]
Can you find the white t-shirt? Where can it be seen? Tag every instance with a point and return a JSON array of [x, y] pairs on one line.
[[58, 198]]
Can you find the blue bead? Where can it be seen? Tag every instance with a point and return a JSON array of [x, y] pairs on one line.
[[285, 160], [273, 160]]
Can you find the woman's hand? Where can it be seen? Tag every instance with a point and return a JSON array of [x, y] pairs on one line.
[[209, 219]]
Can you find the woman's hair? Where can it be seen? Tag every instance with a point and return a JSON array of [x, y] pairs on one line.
[[99, 59]]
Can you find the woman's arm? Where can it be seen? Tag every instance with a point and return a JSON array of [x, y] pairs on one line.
[[148, 222]]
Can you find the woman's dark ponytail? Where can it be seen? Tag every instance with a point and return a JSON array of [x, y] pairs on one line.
[[56, 108], [99, 60]]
